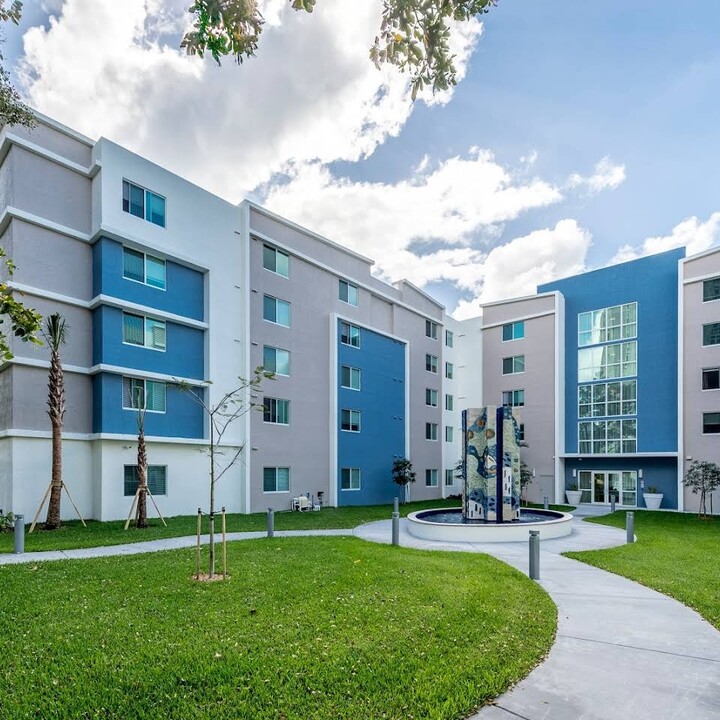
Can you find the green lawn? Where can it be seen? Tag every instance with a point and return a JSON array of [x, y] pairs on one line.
[[306, 628], [74, 535], [676, 554]]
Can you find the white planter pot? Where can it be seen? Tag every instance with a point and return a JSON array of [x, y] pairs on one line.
[[573, 496], [653, 500]]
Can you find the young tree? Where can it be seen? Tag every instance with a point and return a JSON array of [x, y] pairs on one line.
[[229, 407], [402, 475], [55, 334], [142, 469], [414, 34], [703, 477]]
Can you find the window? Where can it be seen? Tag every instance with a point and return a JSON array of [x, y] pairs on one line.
[[514, 331], [449, 370], [449, 477], [431, 431], [607, 399], [449, 402], [276, 261], [143, 268], [431, 478], [276, 411], [143, 204], [350, 420], [276, 360], [156, 480], [350, 377], [140, 330], [711, 379], [431, 363], [431, 397], [349, 335], [711, 290], [521, 432], [431, 329], [607, 436], [512, 365], [276, 311], [711, 423], [448, 338], [149, 395], [610, 361], [448, 433], [514, 398], [711, 334], [348, 293], [276, 479], [607, 325], [350, 478]]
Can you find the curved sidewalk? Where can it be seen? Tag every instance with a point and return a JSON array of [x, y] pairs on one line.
[[622, 650]]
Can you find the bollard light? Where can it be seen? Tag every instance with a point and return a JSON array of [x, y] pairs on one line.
[[630, 526], [396, 522], [270, 523], [534, 547], [19, 534]]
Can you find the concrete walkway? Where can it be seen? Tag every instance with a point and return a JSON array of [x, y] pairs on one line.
[[622, 650]]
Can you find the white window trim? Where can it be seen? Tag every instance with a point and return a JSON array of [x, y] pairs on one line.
[[715, 277], [276, 492], [271, 422], [144, 283], [351, 410], [275, 272], [703, 370], [165, 494], [349, 387], [274, 322], [513, 323], [145, 382], [145, 319], [351, 489], [349, 344], [349, 285], [275, 372], [144, 218]]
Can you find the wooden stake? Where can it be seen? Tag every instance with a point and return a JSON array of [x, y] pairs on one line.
[[132, 508], [147, 490], [224, 545], [197, 549], [39, 510], [67, 492]]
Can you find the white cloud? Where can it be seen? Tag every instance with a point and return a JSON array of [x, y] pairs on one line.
[[606, 176], [691, 233]]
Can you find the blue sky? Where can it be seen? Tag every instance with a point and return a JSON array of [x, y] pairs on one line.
[[550, 90]]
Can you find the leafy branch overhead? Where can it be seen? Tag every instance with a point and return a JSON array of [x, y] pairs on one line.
[[12, 110], [414, 34]]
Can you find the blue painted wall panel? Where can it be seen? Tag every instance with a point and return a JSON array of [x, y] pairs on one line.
[[382, 404], [183, 418], [652, 283], [184, 356], [184, 293]]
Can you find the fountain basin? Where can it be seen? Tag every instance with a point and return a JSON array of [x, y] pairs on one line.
[[439, 525]]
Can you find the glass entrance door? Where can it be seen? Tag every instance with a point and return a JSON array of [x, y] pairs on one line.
[[597, 486]]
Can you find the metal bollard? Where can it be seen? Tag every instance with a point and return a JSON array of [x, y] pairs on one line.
[[630, 526], [19, 534], [396, 522], [271, 523], [612, 503], [534, 570], [546, 502]]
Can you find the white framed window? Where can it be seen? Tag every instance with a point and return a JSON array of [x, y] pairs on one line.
[[431, 397], [350, 479], [350, 420], [607, 399], [711, 334], [513, 331], [348, 293], [350, 377], [143, 203], [276, 360], [156, 480], [144, 331], [449, 370], [276, 261], [431, 478], [142, 268], [349, 335], [711, 379], [449, 402], [513, 365], [276, 411], [276, 479], [449, 477], [276, 311], [448, 433], [610, 324], [514, 398], [431, 363], [140, 394], [608, 362], [449, 339], [711, 290], [431, 431], [431, 329], [607, 437], [711, 423]]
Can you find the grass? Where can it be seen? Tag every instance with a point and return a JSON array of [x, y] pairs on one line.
[[306, 628], [676, 554], [73, 535]]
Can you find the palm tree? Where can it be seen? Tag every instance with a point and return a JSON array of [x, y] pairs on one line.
[[55, 334], [142, 465]]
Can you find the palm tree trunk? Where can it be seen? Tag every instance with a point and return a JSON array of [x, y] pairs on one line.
[[141, 521], [56, 411]]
